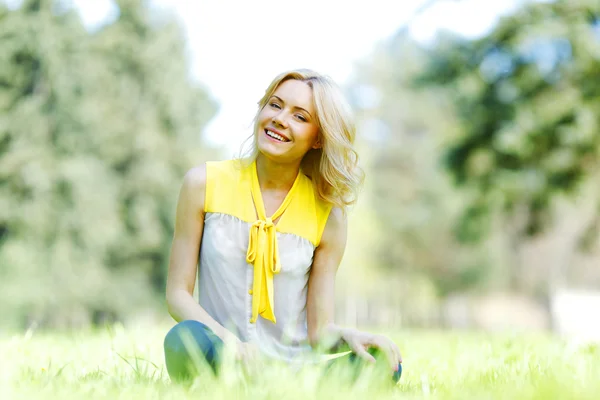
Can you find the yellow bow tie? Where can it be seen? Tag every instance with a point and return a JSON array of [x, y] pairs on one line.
[[264, 255]]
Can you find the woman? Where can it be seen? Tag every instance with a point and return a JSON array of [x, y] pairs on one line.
[[267, 232]]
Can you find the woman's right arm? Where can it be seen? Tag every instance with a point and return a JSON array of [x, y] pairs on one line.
[[181, 278]]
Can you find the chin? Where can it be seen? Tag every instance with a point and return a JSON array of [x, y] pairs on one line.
[[271, 154], [268, 148], [275, 154]]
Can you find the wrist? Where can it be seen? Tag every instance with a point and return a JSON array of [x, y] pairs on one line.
[[332, 338], [227, 336]]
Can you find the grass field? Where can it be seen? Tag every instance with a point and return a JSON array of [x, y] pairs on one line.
[[128, 364]]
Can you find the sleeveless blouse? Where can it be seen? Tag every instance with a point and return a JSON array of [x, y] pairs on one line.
[[253, 272]]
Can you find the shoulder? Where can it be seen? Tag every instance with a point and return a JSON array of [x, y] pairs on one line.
[[337, 219], [193, 187], [198, 178], [225, 169], [313, 208], [335, 229], [217, 183], [195, 177]]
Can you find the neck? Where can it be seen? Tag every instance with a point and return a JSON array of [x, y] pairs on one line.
[[275, 176]]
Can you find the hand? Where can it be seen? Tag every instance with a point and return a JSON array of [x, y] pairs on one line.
[[247, 353], [359, 342]]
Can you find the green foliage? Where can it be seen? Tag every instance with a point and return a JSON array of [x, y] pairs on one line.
[[415, 203], [475, 144], [527, 96], [96, 132]]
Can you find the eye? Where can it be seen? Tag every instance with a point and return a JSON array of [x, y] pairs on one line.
[[301, 117], [275, 105]]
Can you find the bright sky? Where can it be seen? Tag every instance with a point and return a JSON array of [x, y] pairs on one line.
[[238, 46]]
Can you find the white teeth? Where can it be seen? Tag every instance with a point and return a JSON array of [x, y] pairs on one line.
[[275, 136]]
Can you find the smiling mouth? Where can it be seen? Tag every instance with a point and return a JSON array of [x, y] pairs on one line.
[[276, 136]]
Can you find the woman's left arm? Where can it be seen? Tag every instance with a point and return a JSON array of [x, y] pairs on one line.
[[320, 306]]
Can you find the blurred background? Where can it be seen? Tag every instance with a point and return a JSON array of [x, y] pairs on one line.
[[478, 129]]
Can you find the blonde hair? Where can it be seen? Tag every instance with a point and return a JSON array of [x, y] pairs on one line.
[[333, 168]]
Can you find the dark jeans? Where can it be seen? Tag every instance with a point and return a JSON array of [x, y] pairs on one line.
[[186, 337]]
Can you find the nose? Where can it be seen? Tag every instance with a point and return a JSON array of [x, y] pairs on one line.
[[279, 119]]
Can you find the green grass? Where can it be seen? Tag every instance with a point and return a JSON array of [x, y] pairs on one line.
[[119, 364]]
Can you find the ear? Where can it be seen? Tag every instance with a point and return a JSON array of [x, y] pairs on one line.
[[317, 144]]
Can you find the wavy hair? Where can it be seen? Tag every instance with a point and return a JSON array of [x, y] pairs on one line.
[[334, 168]]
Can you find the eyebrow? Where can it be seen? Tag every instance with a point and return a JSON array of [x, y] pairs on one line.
[[299, 108]]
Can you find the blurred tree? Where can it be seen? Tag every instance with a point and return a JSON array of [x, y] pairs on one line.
[[513, 116], [413, 200], [96, 132], [528, 98]]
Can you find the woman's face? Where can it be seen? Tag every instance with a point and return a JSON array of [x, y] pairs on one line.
[[287, 126]]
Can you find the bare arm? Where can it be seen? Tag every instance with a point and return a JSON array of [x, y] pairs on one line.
[[322, 331], [320, 303], [181, 278]]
